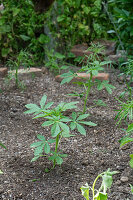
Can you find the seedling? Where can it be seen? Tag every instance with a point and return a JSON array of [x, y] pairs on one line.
[[61, 127], [93, 69], [23, 59], [100, 194], [126, 139], [54, 61], [125, 112]]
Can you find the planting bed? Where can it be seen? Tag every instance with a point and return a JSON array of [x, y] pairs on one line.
[[87, 156]]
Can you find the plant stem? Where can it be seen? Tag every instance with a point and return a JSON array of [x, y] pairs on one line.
[[16, 76], [56, 147], [93, 187], [87, 92]]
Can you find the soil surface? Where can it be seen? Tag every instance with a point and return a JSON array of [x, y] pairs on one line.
[[87, 156]]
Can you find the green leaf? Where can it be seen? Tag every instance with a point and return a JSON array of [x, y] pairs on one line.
[[131, 161], [125, 141], [47, 148], [63, 155], [66, 80], [32, 108], [1, 172], [65, 119], [70, 105], [5, 52], [55, 130], [74, 116], [25, 37], [85, 191], [36, 144], [82, 117], [130, 127], [48, 123], [59, 56], [41, 137], [59, 160], [131, 188], [64, 127], [88, 123], [101, 196], [35, 158], [15, 11], [51, 141], [72, 125], [38, 150], [81, 129], [48, 105], [43, 39], [2, 145], [43, 101]]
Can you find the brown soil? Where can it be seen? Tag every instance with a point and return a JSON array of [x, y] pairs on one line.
[[87, 156]]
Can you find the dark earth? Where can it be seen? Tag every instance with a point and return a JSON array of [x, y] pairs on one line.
[[87, 156]]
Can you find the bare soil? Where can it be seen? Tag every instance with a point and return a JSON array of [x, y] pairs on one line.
[[87, 156]]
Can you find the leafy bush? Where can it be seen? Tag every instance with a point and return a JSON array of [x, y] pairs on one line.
[[21, 27]]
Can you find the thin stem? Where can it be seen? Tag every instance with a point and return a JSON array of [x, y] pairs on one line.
[[56, 146], [94, 183], [87, 92]]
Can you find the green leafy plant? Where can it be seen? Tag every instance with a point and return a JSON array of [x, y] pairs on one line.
[[61, 127], [23, 59], [92, 67], [126, 139], [19, 31], [3, 146], [54, 60], [125, 112], [100, 194]]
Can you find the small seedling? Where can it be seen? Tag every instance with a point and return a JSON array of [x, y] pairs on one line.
[[93, 69], [23, 59], [61, 127], [100, 194]]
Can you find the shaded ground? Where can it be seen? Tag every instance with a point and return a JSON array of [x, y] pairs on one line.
[[87, 156]]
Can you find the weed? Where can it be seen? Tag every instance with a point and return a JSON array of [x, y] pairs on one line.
[[61, 127], [100, 194]]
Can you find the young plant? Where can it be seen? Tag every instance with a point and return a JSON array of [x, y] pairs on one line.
[[127, 67], [126, 139], [54, 60], [3, 146], [100, 194], [125, 112], [23, 59], [61, 127], [92, 68]]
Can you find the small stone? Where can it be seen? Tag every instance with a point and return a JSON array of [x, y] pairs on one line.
[[3, 71], [124, 179], [118, 182]]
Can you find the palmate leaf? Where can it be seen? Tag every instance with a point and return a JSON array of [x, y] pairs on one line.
[[55, 130], [73, 125], [35, 158], [105, 84]]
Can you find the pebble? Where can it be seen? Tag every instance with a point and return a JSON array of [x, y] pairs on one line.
[[124, 179]]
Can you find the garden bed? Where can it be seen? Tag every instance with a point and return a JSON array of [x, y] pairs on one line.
[[87, 156]]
